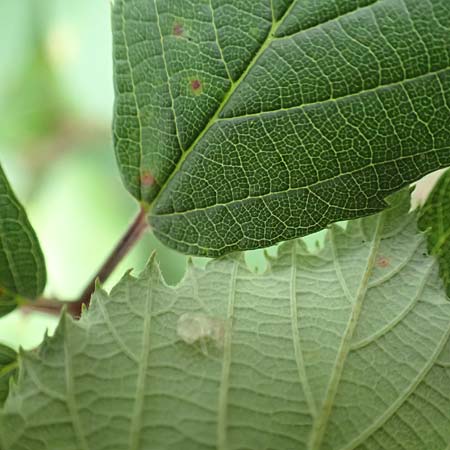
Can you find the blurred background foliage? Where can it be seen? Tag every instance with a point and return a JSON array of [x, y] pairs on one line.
[[56, 99]]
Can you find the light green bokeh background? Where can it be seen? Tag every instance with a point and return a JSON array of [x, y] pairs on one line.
[[56, 99]]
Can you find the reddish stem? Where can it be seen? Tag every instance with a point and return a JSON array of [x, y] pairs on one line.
[[125, 244], [44, 305]]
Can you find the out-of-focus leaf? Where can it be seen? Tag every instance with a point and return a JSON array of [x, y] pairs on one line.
[[31, 104], [243, 124], [35, 106], [22, 265], [16, 43], [8, 369], [78, 44], [344, 349], [435, 218]]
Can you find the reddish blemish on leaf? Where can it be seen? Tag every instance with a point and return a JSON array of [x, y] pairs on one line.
[[383, 262], [147, 179], [196, 86], [177, 29]]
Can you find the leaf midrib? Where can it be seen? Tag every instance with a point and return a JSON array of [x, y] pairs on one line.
[[214, 119], [223, 400], [138, 408], [321, 422]]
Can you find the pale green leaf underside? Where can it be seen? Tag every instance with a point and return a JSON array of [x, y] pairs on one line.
[[22, 265], [345, 349], [243, 123]]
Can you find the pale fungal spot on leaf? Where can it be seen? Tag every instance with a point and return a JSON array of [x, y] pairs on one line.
[[383, 262], [196, 327]]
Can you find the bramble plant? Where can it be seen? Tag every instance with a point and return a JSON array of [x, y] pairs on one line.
[[238, 125]]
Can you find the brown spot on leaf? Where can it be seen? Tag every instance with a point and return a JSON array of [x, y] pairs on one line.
[[196, 86], [147, 179], [383, 262], [177, 29]]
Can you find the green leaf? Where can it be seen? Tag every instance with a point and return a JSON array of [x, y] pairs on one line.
[[8, 370], [22, 265], [243, 124], [344, 349], [435, 218]]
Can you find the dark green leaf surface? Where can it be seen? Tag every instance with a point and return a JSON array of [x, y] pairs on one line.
[[8, 369], [22, 265], [247, 123], [346, 349], [435, 218]]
